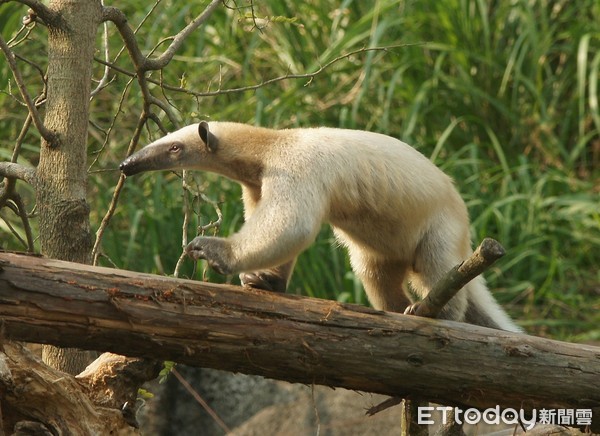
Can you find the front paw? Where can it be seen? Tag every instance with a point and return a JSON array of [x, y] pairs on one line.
[[216, 251]]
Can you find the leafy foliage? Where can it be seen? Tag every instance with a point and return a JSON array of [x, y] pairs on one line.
[[502, 95]]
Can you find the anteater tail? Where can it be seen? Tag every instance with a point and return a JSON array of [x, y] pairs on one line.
[[483, 310]]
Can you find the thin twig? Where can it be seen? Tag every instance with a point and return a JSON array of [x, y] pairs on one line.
[[195, 193], [118, 188], [165, 58], [310, 76], [117, 16], [142, 63], [40, 72], [10, 226], [104, 78], [111, 13], [390, 402], [139, 60], [139, 26], [11, 199], [106, 220], [165, 108], [20, 138], [112, 124], [28, 120], [49, 137], [200, 400], [22, 212], [13, 42], [315, 408], [187, 214]]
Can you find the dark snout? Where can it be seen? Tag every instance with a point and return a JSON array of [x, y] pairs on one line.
[[129, 167], [143, 160]]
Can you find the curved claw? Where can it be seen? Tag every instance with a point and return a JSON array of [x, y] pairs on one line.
[[412, 309], [263, 280], [214, 250]]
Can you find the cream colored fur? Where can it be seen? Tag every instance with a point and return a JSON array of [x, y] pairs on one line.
[[399, 216]]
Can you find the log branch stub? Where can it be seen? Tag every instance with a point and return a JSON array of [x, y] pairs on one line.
[[488, 252]]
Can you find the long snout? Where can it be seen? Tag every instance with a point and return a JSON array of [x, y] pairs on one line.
[[146, 159]]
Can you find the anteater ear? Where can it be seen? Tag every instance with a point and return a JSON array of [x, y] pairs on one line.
[[210, 140]]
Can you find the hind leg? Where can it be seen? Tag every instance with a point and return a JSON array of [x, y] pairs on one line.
[[383, 280], [434, 257]]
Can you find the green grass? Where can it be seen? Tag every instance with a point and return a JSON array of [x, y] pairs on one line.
[[502, 95]]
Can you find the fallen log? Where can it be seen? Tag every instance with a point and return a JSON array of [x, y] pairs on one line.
[[290, 338]]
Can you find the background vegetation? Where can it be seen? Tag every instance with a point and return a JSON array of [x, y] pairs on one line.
[[502, 95]]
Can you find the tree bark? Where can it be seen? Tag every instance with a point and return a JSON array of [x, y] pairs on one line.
[[291, 338], [61, 176]]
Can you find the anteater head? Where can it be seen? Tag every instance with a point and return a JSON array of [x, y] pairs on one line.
[[187, 148]]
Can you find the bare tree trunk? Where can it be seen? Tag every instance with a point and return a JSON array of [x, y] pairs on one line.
[[62, 173]]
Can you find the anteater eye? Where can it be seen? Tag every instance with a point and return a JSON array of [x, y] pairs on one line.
[[174, 148]]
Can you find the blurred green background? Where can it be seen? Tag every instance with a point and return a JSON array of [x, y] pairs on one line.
[[503, 96]]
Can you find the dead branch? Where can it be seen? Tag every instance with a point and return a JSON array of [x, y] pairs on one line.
[[17, 171], [32, 393], [112, 380]]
